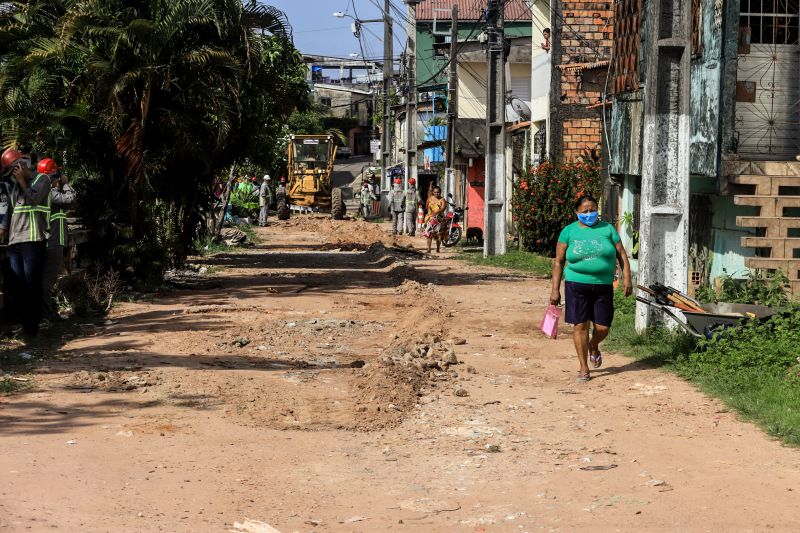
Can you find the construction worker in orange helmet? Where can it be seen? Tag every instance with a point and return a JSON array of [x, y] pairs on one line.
[[396, 198], [61, 197], [411, 204], [26, 225]]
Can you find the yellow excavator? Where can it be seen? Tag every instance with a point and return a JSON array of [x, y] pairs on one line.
[[310, 165]]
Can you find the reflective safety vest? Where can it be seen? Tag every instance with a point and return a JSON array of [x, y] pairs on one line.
[[28, 217], [59, 232]]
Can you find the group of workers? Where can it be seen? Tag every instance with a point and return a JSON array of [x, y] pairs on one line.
[[33, 204]]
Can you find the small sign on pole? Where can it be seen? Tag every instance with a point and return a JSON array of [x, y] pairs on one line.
[[375, 146]]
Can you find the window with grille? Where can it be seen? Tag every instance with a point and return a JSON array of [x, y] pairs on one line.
[[627, 22], [771, 21]]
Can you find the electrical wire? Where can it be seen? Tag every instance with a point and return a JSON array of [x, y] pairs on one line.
[[458, 47]]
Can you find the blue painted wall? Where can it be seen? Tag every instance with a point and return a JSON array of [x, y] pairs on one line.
[[435, 133]]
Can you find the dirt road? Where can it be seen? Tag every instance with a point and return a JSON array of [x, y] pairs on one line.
[[292, 392]]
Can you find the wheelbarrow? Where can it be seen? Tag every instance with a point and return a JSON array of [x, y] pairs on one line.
[[716, 316]]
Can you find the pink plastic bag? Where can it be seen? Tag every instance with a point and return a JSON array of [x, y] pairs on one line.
[[550, 321]]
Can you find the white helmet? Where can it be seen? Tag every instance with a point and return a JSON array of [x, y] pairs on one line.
[[266, 177]]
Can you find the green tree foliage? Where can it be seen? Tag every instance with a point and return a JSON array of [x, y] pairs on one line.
[[543, 200], [147, 101]]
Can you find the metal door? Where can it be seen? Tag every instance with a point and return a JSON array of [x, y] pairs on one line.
[[768, 80]]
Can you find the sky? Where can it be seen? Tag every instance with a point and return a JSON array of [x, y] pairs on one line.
[[317, 31]]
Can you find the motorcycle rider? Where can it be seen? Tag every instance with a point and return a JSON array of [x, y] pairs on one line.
[[396, 201], [411, 204]]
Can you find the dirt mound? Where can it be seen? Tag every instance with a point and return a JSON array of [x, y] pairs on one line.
[[339, 232], [405, 371]]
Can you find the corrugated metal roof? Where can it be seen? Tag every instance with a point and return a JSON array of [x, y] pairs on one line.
[[470, 10]]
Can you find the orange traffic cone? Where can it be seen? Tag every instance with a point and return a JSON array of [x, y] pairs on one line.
[[420, 216]]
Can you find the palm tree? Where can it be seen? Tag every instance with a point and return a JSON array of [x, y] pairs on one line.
[[154, 95]]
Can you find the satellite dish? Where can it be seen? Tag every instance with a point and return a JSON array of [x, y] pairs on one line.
[[520, 108]]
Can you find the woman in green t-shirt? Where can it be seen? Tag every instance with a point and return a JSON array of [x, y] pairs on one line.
[[590, 249]]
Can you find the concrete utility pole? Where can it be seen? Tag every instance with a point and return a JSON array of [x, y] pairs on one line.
[[663, 233], [411, 98], [452, 103], [452, 89], [494, 236], [388, 72]]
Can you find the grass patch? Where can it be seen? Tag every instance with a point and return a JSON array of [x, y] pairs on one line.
[[10, 386], [753, 368], [247, 229], [513, 259]]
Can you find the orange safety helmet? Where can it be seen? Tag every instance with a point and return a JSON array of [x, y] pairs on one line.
[[8, 159], [47, 166]]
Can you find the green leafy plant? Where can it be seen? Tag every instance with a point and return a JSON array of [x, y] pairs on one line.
[[757, 287], [244, 200], [627, 222], [543, 200]]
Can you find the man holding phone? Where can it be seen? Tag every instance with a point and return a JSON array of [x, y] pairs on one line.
[[26, 224]]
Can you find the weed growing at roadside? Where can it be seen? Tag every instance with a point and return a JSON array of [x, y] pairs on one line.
[[9, 385], [757, 287]]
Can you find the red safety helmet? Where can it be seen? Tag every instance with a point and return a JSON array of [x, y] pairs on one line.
[[283, 179], [398, 180], [9, 158], [47, 166], [412, 181]]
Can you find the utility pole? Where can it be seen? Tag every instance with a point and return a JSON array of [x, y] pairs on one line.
[[664, 225], [411, 97], [452, 100], [494, 242], [452, 88], [388, 72]]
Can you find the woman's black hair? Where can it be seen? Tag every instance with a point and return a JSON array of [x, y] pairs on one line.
[[584, 198]]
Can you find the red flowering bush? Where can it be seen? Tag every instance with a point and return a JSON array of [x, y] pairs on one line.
[[543, 201]]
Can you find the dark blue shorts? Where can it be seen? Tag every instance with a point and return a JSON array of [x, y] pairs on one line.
[[587, 302]]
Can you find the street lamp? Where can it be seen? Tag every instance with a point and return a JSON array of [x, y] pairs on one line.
[[387, 75], [355, 27]]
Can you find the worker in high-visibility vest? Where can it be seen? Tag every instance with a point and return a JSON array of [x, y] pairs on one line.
[[61, 197], [26, 224]]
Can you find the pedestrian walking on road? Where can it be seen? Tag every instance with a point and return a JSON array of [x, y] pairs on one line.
[[396, 204], [411, 205], [433, 218], [264, 199], [26, 225], [61, 197], [587, 254]]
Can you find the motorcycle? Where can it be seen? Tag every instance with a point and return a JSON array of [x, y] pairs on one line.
[[451, 230]]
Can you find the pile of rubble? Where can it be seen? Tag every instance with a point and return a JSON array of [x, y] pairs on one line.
[[424, 354]]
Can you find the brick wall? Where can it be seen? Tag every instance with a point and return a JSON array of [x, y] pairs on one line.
[[580, 136], [583, 37]]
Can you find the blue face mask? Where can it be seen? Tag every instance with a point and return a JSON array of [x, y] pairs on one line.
[[590, 219]]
